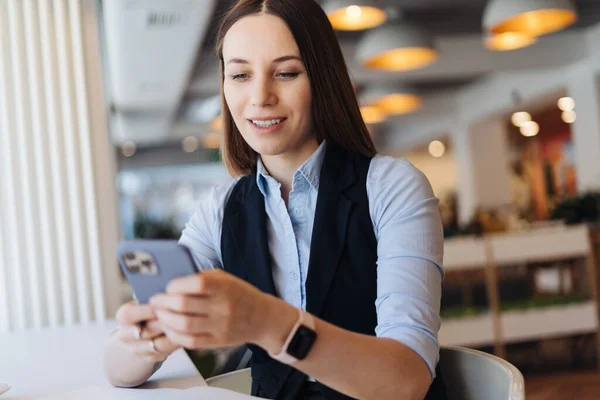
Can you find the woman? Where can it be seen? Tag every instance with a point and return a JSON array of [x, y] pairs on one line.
[[332, 255]]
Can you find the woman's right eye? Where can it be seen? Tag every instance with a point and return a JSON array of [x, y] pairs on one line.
[[239, 77]]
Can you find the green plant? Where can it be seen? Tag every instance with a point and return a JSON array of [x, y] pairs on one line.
[[146, 227], [578, 209], [541, 302], [459, 312]]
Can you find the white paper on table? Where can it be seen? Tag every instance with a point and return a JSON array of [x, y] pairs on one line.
[[196, 393]]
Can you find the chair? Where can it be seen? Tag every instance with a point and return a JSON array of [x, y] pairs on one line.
[[472, 374], [468, 375]]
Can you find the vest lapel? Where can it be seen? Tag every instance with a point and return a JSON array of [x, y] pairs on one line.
[[329, 230], [247, 224]]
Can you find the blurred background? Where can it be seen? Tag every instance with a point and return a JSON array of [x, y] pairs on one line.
[[110, 128]]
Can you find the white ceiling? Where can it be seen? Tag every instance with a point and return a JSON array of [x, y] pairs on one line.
[[456, 26]]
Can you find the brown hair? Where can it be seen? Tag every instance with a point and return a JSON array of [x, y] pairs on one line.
[[335, 111]]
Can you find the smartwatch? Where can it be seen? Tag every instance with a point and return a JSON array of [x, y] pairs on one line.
[[299, 342]]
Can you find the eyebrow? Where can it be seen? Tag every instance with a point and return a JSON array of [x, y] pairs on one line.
[[277, 60]]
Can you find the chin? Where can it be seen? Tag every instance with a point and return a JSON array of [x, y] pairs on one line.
[[270, 149], [269, 146]]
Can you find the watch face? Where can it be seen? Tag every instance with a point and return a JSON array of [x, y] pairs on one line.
[[301, 342]]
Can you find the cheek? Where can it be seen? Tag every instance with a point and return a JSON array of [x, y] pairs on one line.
[[304, 103], [232, 98]]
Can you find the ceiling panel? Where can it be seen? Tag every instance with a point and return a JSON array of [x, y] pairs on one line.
[[444, 18]]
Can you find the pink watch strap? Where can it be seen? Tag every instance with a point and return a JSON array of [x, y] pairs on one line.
[[283, 356]]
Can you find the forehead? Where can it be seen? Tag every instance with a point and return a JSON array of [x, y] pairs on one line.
[[259, 36]]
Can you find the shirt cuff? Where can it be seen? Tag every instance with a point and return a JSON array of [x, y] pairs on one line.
[[419, 342]]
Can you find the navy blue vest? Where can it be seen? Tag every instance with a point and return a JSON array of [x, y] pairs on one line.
[[341, 285]]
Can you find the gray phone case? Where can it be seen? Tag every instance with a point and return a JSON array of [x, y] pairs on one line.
[[149, 265]]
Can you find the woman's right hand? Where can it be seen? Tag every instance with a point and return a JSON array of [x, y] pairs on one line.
[[149, 342]]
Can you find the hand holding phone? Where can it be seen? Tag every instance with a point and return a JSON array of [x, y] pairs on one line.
[[149, 265]]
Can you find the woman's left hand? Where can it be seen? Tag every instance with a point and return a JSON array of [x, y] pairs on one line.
[[215, 309]]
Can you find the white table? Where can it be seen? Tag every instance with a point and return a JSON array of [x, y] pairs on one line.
[[53, 361]]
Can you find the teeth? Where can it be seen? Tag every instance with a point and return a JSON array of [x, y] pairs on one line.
[[266, 124]]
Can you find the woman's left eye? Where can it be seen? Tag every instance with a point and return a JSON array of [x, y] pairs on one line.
[[288, 75]]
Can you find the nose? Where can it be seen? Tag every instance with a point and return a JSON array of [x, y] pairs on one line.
[[263, 93]]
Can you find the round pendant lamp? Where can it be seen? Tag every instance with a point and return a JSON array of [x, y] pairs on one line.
[[354, 15], [372, 115], [509, 41], [392, 99], [532, 17], [396, 47]]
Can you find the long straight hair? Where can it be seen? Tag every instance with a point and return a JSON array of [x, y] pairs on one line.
[[335, 111]]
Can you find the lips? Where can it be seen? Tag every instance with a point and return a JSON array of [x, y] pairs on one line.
[[267, 123], [264, 126]]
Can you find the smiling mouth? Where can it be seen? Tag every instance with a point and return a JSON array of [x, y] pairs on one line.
[[267, 123]]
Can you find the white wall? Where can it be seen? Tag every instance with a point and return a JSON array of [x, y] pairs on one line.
[[441, 172]]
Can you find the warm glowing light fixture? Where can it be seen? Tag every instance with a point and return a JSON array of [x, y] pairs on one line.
[[566, 104], [190, 144], [509, 41], [519, 118], [129, 148], [569, 116], [530, 128], [372, 115], [396, 47], [394, 99], [533, 17], [211, 140], [217, 123], [354, 15], [437, 149]]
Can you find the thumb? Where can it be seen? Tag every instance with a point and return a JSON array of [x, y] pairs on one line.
[[203, 283]]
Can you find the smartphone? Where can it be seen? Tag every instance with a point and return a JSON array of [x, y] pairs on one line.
[[149, 265]]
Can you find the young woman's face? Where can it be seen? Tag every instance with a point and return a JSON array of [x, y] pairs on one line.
[[266, 86]]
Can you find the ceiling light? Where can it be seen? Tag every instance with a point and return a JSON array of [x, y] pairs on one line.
[[190, 144], [394, 100], [217, 123], [569, 116], [566, 104], [534, 17], [354, 15], [520, 118], [372, 115], [396, 47], [129, 148], [530, 128], [509, 41], [211, 140], [437, 149]]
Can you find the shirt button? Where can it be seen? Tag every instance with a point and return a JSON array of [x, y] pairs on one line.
[[297, 210], [294, 276]]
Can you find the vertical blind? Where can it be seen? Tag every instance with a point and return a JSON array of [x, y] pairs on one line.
[[50, 243]]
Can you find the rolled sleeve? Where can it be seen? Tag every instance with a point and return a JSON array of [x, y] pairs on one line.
[[409, 233]]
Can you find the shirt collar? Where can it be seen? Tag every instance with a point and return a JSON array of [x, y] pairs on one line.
[[310, 170]]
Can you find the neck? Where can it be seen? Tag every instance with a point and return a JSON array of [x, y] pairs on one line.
[[283, 166]]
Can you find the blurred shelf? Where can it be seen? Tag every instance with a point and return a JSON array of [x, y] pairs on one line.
[[542, 244], [530, 320], [521, 325], [464, 253], [467, 331], [548, 322]]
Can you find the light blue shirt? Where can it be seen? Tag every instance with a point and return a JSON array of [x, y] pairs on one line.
[[407, 226]]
